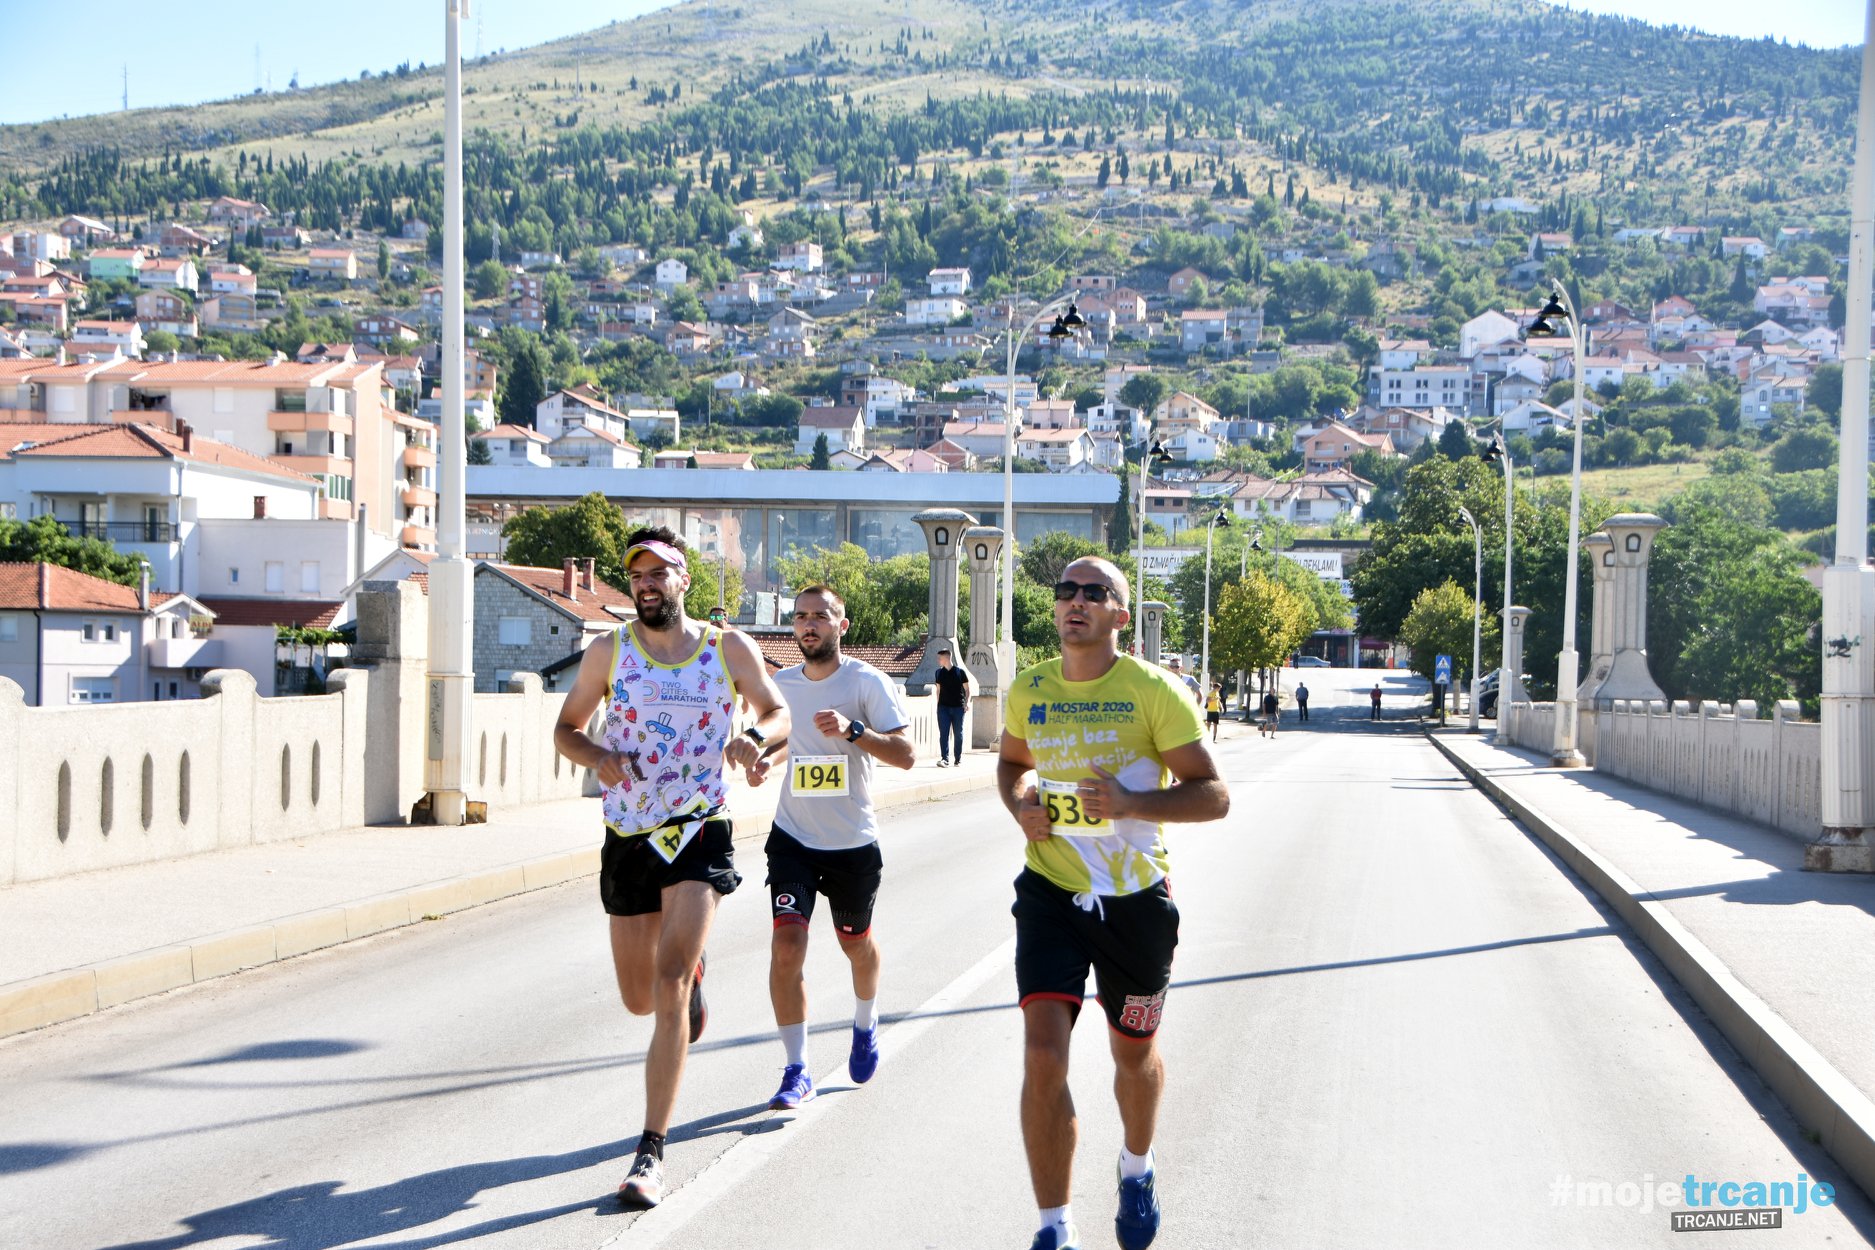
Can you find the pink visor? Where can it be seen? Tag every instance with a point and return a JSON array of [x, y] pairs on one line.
[[662, 551]]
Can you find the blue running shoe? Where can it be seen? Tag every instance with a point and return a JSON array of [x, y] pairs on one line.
[[797, 1087], [1137, 1221], [1049, 1239], [864, 1061]]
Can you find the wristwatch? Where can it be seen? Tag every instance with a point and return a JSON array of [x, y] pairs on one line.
[[857, 732], [756, 736]]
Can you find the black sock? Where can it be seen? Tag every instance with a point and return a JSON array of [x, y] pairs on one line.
[[652, 1144]]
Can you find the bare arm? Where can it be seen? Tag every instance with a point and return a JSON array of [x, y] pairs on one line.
[[745, 666], [887, 746], [1198, 796], [589, 690], [1015, 767]]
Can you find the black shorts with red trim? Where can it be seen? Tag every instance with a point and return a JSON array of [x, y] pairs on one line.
[[1127, 942], [632, 876], [849, 880]]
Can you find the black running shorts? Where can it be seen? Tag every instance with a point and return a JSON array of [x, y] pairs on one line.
[[1129, 948], [849, 880], [632, 877]]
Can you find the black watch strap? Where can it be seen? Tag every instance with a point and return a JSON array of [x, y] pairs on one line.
[[756, 736]]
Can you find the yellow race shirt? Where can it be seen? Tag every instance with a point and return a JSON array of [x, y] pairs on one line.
[[1123, 721]]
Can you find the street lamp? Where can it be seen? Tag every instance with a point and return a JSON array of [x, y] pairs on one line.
[[1563, 750], [1477, 611], [1220, 517], [1155, 453], [1064, 327], [1499, 451]]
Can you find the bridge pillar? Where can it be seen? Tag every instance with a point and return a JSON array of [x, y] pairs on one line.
[[1598, 550], [943, 531], [1630, 541], [983, 547], [1152, 630], [1510, 686]]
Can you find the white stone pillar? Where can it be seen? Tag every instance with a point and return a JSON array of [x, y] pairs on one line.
[[982, 549], [1630, 543], [1598, 550], [943, 533], [1510, 686], [1151, 628]]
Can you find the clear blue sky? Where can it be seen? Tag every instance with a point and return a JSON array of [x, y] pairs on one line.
[[211, 55]]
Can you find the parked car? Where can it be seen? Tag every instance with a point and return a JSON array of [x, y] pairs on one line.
[[1312, 661]]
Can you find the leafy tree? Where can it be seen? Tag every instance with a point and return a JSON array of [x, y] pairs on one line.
[[849, 570], [1042, 561], [44, 540], [590, 528], [821, 459], [1456, 442], [384, 260], [1260, 621], [489, 280], [1811, 447], [1145, 391], [1824, 392], [706, 578], [524, 380], [1440, 624]]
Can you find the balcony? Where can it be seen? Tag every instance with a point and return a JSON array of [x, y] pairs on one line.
[[417, 456], [186, 653], [335, 509], [124, 531], [419, 497], [318, 466], [300, 422], [418, 536]]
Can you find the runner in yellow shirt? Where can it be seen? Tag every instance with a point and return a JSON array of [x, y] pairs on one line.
[[1098, 751]]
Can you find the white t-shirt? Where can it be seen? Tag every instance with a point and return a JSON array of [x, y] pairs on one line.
[[812, 808]]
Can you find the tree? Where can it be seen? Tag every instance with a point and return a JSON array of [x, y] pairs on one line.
[[709, 587], [490, 280], [44, 540], [821, 459], [1260, 622], [1825, 392], [1456, 442], [1812, 447], [1043, 560], [849, 570], [1145, 392], [524, 382], [1440, 624], [591, 528], [384, 260]]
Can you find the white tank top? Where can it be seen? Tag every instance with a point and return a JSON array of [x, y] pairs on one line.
[[670, 721]]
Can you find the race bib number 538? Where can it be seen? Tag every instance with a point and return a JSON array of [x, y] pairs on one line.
[[1062, 800]]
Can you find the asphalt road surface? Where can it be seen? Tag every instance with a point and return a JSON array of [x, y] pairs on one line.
[[1397, 1022]]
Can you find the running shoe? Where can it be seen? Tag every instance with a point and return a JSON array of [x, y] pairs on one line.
[[1137, 1222], [943, 763], [1050, 1239], [643, 1186], [797, 1087], [699, 1009], [864, 1059]]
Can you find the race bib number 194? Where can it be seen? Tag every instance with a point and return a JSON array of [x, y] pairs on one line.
[[819, 776], [1062, 799]]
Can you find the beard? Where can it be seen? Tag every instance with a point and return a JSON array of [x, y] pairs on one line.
[[828, 648], [659, 616]]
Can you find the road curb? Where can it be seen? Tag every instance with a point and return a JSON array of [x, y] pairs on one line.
[[1823, 1100], [76, 992]]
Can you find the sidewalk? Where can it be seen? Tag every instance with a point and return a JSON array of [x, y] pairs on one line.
[[78, 944], [1782, 960]]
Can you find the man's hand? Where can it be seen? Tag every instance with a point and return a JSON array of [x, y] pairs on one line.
[[831, 723], [1103, 797], [611, 769], [741, 752], [1033, 817], [758, 772]]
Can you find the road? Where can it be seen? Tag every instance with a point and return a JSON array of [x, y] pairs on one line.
[[1397, 1022]]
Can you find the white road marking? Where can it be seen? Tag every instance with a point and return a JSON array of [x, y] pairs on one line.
[[747, 1156]]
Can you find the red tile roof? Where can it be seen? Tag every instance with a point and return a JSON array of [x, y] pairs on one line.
[[315, 612], [591, 605], [779, 648], [133, 441], [51, 587]]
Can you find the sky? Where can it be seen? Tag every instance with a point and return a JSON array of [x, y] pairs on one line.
[[213, 55]]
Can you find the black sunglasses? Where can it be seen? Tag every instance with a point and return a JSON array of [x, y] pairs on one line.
[[1093, 592]]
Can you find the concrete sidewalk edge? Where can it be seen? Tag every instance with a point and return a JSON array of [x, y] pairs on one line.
[[1821, 1098], [60, 996]]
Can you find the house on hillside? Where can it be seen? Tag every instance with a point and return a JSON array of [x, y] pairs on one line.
[[843, 424]]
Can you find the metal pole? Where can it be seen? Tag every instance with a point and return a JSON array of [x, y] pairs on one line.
[[451, 603], [1506, 680], [1139, 547], [1477, 611], [1204, 659], [1563, 751], [1848, 805], [1009, 479]]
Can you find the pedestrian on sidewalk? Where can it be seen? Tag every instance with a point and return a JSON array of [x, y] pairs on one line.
[[1374, 696], [1092, 744], [668, 685], [1272, 710], [956, 686], [1302, 701], [844, 714], [1214, 708]]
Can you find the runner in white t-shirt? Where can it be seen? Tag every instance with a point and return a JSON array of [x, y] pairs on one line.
[[845, 715]]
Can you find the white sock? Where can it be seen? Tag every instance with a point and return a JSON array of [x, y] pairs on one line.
[[865, 1013], [1133, 1166], [794, 1040], [1056, 1217]]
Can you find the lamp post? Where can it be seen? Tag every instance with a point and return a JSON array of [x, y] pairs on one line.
[[1220, 517], [1499, 451], [1064, 327], [1154, 453], [1563, 750], [1477, 612]]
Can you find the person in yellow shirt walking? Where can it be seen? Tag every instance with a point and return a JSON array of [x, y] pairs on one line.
[[1099, 750]]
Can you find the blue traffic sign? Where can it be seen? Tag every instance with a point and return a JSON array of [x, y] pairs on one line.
[[1442, 670]]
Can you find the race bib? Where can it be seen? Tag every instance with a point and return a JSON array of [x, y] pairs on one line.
[[670, 841], [819, 776], [1062, 801]]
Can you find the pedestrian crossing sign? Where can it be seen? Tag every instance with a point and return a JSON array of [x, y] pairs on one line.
[[1442, 670]]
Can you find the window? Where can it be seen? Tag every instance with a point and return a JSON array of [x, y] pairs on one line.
[[172, 690], [515, 631], [276, 577], [88, 631], [309, 577], [234, 577], [110, 632], [94, 690], [9, 629]]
